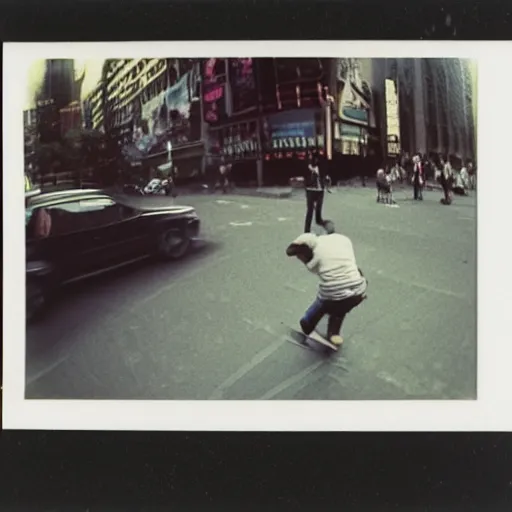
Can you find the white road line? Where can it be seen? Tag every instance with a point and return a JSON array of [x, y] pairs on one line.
[[222, 201], [239, 224], [425, 287], [244, 206], [46, 371], [179, 281], [218, 393], [282, 219], [291, 381]]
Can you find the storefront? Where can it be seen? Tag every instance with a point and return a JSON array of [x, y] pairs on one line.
[[237, 144], [293, 134]]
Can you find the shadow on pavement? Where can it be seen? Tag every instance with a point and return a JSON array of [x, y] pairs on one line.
[[77, 305]]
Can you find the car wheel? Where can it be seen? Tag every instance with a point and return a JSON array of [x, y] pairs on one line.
[[173, 245], [36, 300]]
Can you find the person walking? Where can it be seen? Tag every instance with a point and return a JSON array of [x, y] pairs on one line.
[[342, 284], [418, 178], [314, 182], [446, 181]]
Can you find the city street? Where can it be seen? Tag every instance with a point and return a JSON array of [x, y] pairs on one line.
[[215, 325]]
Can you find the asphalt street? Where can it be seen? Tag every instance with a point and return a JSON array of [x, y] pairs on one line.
[[215, 325]]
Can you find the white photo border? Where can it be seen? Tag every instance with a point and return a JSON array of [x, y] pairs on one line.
[[491, 411]]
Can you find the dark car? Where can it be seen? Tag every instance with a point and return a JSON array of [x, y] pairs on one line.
[[74, 234]]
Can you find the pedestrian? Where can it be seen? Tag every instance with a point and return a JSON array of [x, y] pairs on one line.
[[446, 179], [418, 178], [342, 285], [314, 182], [384, 190], [471, 175]]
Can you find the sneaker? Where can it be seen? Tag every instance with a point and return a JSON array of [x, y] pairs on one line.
[[336, 340], [329, 227]]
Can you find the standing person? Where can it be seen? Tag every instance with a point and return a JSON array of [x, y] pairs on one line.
[[418, 178], [223, 175], [446, 181], [471, 175], [314, 181], [342, 284]]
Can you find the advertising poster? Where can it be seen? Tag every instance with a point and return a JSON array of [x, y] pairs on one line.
[[392, 119], [243, 84], [354, 91], [171, 115]]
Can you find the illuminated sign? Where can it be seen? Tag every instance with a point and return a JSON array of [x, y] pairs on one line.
[[298, 142], [214, 84], [392, 118]]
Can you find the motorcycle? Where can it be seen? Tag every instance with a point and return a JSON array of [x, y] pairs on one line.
[[155, 187]]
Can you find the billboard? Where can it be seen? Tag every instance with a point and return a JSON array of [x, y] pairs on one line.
[[392, 119], [173, 115], [243, 84], [293, 131], [354, 92]]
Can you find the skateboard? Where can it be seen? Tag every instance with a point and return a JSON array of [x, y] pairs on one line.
[[312, 340]]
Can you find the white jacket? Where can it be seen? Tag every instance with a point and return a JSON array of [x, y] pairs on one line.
[[334, 262]]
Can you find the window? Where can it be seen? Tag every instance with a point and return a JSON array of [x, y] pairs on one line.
[[74, 216]]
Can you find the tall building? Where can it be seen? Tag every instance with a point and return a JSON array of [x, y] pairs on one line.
[[60, 87], [93, 109], [436, 101], [70, 118]]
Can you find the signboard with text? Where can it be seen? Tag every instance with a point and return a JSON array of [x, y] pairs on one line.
[[293, 132], [392, 119], [236, 142], [214, 90]]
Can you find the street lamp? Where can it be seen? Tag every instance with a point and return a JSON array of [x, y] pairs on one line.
[[329, 102]]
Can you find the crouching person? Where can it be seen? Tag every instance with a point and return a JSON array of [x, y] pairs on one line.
[[384, 191], [342, 285]]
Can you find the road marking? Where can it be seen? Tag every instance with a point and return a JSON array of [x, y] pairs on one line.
[[222, 201], [218, 393], [425, 287], [179, 281], [238, 224], [282, 219], [46, 371], [276, 390], [244, 206]]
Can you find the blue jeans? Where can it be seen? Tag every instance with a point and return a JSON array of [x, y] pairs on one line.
[[336, 309]]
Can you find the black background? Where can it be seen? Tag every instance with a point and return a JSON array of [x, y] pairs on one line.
[[102, 471]]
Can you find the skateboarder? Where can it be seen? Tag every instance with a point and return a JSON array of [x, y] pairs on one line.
[[342, 284]]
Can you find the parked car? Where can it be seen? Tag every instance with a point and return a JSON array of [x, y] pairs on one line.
[[74, 234]]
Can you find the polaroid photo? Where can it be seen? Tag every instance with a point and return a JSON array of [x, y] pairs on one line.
[[279, 237]]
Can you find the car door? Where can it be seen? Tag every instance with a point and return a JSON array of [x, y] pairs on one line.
[[117, 234], [59, 236]]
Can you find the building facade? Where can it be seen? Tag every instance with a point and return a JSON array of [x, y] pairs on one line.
[[436, 102], [263, 115], [152, 107], [70, 118]]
